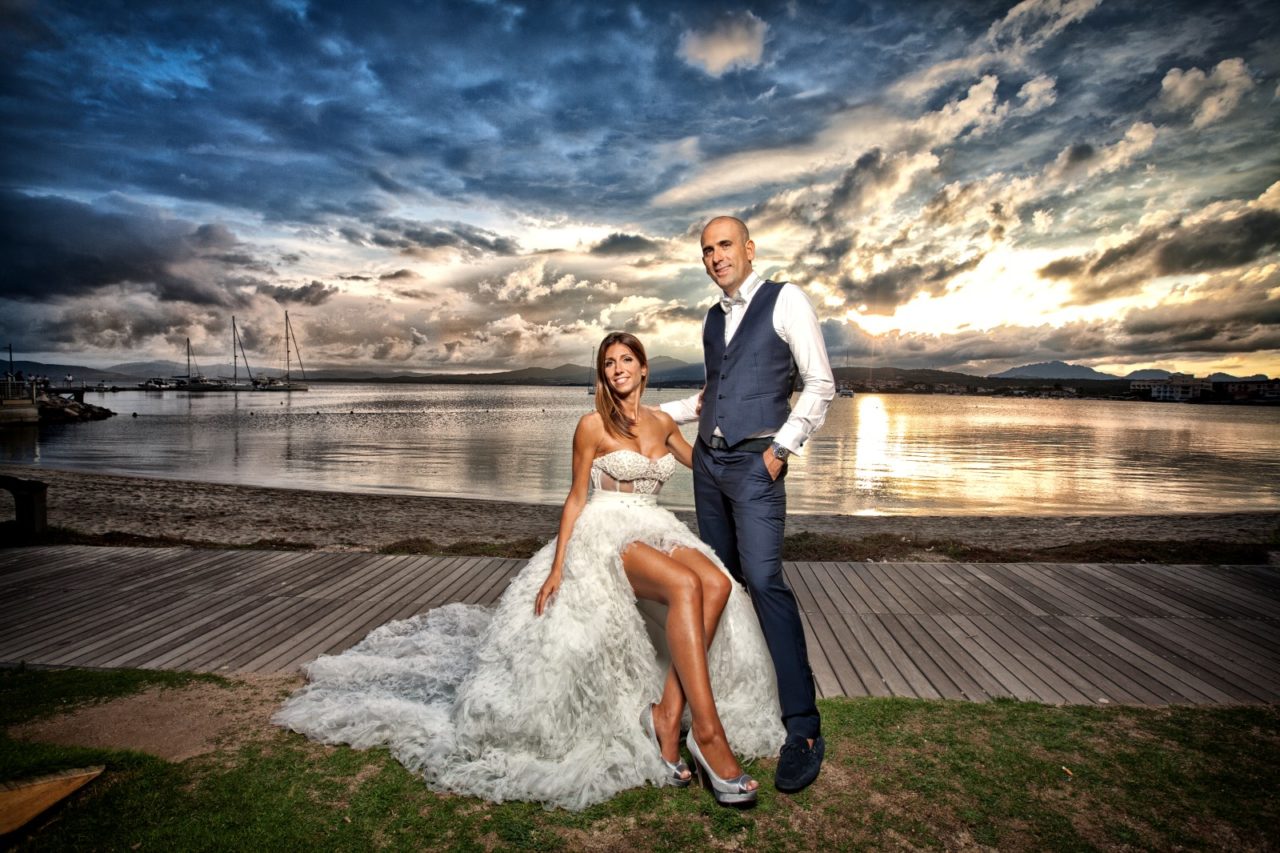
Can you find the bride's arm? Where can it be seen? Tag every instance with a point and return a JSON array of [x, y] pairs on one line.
[[585, 441], [676, 443]]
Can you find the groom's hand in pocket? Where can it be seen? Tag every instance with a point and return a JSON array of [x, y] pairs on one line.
[[772, 464]]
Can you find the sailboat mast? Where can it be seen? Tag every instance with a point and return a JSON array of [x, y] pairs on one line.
[[286, 346], [234, 360], [289, 330]]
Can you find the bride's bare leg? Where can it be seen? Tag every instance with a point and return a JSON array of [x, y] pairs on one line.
[[716, 588], [658, 577]]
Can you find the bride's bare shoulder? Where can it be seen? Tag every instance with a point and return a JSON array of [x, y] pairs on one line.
[[591, 424]]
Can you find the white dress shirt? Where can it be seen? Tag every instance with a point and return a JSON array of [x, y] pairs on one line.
[[795, 321]]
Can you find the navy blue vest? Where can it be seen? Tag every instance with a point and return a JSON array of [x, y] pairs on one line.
[[749, 381]]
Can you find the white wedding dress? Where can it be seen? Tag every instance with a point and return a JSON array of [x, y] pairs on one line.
[[502, 704]]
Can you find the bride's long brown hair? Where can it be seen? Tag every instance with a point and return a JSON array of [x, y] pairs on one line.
[[608, 404]]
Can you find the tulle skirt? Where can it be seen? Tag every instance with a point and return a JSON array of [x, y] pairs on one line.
[[499, 703]]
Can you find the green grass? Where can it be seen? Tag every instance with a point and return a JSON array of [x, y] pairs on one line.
[[930, 775], [29, 694]]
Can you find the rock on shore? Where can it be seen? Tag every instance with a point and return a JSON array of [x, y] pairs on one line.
[[54, 408]]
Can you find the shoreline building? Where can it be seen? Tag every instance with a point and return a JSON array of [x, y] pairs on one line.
[[1178, 388]]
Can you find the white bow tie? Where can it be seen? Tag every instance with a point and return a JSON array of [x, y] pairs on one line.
[[727, 302]]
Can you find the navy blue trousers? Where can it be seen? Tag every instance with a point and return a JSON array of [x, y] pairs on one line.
[[741, 515]]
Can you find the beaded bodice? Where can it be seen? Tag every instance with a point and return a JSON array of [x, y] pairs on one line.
[[631, 471]]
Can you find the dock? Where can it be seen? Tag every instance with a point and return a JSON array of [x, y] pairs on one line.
[[1058, 633]]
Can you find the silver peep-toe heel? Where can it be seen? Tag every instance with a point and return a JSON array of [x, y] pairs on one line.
[[728, 792], [678, 770]]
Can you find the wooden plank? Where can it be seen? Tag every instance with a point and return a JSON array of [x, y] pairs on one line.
[[1045, 604], [360, 615], [1096, 674], [1055, 666], [486, 591], [1212, 638], [296, 640], [1170, 651], [882, 677], [831, 657], [957, 595], [1200, 600], [900, 599], [1228, 589], [225, 651], [1011, 656], [973, 679], [1144, 599], [209, 637], [991, 577], [853, 644], [968, 637], [824, 683], [41, 642], [935, 589], [917, 683], [939, 679], [1099, 594], [153, 628], [1178, 684]]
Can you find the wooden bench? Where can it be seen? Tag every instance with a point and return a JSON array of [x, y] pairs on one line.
[[29, 504]]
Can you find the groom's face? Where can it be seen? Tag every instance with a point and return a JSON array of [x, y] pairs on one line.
[[727, 254]]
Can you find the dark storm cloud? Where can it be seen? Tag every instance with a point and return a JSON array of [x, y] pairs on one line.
[[850, 196], [122, 326], [885, 291], [301, 115], [618, 243], [1214, 244], [658, 319], [398, 274], [314, 293], [412, 238], [54, 247]]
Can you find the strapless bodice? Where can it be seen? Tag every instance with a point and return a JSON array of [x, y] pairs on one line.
[[631, 471]]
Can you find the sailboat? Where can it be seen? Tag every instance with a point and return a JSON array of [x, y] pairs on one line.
[[197, 381], [591, 384], [236, 343], [275, 383]]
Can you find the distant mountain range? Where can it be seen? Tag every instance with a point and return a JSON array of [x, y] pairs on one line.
[[1063, 370], [663, 370]]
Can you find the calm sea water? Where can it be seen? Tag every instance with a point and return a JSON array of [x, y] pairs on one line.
[[891, 454]]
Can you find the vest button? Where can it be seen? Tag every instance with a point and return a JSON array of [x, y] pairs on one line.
[[721, 397], [722, 376]]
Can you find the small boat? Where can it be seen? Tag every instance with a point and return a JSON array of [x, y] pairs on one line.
[[197, 381], [22, 800], [157, 383], [845, 392], [276, 383], [233, 383]]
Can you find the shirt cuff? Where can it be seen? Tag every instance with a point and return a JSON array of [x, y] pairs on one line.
[[791, 438]]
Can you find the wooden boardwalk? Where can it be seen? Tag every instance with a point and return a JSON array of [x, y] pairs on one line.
[[1057, 633]]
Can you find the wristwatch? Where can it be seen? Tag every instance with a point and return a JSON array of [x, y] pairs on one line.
[[779, 452]]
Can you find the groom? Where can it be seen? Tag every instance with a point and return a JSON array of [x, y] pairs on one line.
[[754, 341]]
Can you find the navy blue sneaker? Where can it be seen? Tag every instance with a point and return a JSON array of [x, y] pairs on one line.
[[798, 764]]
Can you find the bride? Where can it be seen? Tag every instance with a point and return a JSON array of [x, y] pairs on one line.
[[574, 685]]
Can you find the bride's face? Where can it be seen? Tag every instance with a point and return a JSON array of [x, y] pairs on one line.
[[622, 370]]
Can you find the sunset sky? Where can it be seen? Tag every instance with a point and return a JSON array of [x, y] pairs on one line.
[[488, 185]]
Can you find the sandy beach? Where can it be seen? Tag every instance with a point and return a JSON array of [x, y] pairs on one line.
[[212, 512]]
